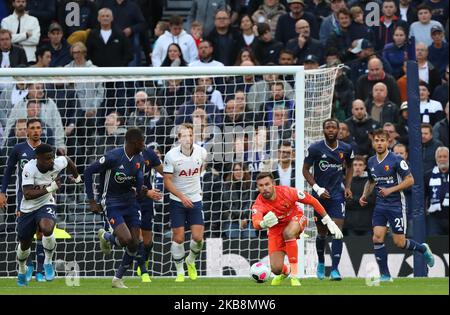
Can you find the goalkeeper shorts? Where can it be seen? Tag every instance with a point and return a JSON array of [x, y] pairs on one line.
[[276, 238]]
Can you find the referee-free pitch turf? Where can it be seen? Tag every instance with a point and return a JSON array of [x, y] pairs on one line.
[[229, 286]]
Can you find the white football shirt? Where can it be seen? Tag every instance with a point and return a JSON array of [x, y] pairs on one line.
[[186, 171], [32, 176]]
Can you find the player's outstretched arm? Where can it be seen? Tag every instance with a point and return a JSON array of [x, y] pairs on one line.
[[168, 184], [73, 170]]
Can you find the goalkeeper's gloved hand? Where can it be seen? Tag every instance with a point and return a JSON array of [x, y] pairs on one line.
[[269, 220], [319, 190], [332, 227]]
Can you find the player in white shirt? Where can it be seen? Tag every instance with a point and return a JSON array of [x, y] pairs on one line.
[[38, 207], [183, 166]]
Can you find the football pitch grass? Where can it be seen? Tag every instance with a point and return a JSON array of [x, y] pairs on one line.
[[229, 286]]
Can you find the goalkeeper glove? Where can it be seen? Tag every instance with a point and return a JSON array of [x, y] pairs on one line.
[[319, 190], [269, 220], [332, 227], [78, 179], [53, 187]]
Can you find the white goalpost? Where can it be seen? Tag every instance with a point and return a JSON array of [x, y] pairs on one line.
[[241, 115]]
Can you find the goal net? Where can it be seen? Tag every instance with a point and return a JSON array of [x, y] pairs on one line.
[[247, 118]]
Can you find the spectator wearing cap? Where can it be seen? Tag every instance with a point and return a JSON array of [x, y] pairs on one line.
[[304, 44], [438, 51], [427, 71], [407, 12], [440, 129], [389, 21], [203, 11], [311, 62], [343, 37], [11, 55], [266, 49], [379, 107], [402, 125], [330, 23], [440, 93], [269, 12], [364, 50], [395, 52], [439, 10], [59, 48], [224, 39], [361, 125], [421, 29], [376, 74], [87, 19], [286, 28], [24, 28], [431, 111]]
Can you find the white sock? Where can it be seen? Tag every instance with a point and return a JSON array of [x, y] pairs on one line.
[[22, 256], [177, 251], [49, 244], [196, 248]]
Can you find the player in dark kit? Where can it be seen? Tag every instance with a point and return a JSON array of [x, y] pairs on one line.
[[329, 157], [151, 161], [390, 175], [121, 180]]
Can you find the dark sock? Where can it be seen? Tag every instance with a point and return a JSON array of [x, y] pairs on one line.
[[320, 247], [336, 251], [127, 260], [140, 258], [40, 256], [381, 257], [147, 251], [412, 245]]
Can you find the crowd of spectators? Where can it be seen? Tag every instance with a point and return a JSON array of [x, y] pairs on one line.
[[85, 119]]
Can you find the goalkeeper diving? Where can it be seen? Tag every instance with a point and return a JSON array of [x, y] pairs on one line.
[[277, 208]]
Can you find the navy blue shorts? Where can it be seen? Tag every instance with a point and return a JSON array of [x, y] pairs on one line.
[[129, 214], [27, 223], [147, 215], [180, 216], [334, 207], [396, 219]]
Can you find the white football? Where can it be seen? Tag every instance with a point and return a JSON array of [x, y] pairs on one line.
[[260, 272]]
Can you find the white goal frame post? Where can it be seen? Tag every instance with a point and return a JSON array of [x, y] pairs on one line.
[[51, 75]]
